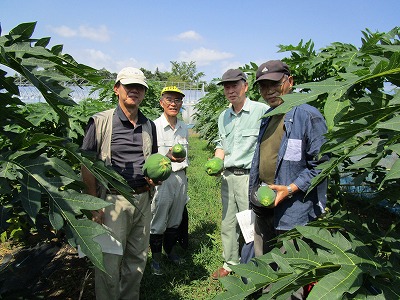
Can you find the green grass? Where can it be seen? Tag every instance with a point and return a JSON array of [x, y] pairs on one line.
[[192, 280]]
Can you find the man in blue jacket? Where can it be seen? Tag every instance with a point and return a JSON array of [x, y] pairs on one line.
[[286, 159]]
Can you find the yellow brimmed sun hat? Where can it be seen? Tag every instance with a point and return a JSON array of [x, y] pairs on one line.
[[172, 89]]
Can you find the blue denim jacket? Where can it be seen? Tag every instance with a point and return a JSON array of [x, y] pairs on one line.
[[296, 163]]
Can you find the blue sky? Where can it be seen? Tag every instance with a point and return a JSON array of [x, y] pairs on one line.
[[217, 35]]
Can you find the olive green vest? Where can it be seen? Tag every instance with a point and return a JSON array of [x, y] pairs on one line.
[[103, 123]]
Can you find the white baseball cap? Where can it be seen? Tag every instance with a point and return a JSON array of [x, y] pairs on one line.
[[131, 75]]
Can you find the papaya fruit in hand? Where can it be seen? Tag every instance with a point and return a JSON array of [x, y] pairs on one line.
[[178, 151], [214, 166], [266, 196], [157, 167]]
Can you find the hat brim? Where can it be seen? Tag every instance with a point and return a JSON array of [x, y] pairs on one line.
[[270, 76], [134, 81], [179, 93], [230, 80]]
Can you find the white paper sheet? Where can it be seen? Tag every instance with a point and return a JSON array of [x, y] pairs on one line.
[[246, 222], [107, 242]]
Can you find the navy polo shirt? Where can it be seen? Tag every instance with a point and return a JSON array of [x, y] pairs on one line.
[[126, 146]]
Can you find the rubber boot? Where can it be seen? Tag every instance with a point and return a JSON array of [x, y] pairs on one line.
[[183, 230], [170, 238], [156, 253]]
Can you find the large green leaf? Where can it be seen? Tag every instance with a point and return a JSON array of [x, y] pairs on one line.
[[30, 196], [41, 176], [393, 173], [338, 264], [84, 231], [392, 124]]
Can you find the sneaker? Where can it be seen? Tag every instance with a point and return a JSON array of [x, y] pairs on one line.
[[156, 268], [176, 259]]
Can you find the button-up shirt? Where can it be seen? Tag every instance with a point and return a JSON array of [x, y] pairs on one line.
[[167, 137], [238, 133]]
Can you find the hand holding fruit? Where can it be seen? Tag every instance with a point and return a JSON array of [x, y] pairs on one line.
[[177, 153], [266, 196], [282, 192], [157, 168], [214, 166]]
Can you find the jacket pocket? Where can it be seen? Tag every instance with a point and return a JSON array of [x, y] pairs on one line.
[[293, 150]]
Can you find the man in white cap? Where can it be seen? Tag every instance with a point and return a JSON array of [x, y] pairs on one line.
[[169, 198], [123, 138]]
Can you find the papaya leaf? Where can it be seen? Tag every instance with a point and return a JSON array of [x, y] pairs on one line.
[[55, 218], [368, 148], [84, 231], [30, 196], [37, 117], [43, 42], [333, 286], [392, 124], [259, 271], [364, 163], [336, 109], [389, 291], [236, 289], [395, 148], [8, 169], [393, 173], [25, 29]]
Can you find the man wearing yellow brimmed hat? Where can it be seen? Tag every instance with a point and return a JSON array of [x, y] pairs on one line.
[[170, 198], [123, 138]]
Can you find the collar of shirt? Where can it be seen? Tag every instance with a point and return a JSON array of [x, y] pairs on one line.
[[141, 118], [246, 107], [164, 123]]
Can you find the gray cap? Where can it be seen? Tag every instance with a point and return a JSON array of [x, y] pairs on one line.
[[233, 75], [272, 70]]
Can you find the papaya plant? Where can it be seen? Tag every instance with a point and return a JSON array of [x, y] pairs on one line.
[[347, 257], [39, 155]]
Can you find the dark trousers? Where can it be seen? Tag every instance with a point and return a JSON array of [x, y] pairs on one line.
[[183, 230]]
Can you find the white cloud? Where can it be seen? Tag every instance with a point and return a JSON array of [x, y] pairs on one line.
[[98, 59], [203, 56], [95, 58], [188, 35], [64, 31], [99, 34]]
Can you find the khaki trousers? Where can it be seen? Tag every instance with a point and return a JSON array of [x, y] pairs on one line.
[[131, 225], [234, 193]]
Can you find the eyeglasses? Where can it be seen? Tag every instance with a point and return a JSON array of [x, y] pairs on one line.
[[268, 84], [169, 100]]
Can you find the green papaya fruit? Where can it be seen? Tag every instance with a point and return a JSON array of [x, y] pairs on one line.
[[157, 167], [266, 196], [178, 151], [214, 166]]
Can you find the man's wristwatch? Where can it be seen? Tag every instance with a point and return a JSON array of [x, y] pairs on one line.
[[290, 191]]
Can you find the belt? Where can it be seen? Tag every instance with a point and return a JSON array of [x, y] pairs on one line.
[[135, 190], [238, 171]]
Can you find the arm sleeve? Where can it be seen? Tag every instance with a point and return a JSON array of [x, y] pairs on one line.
[[89, 143], [154, 148], [315, 139]]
